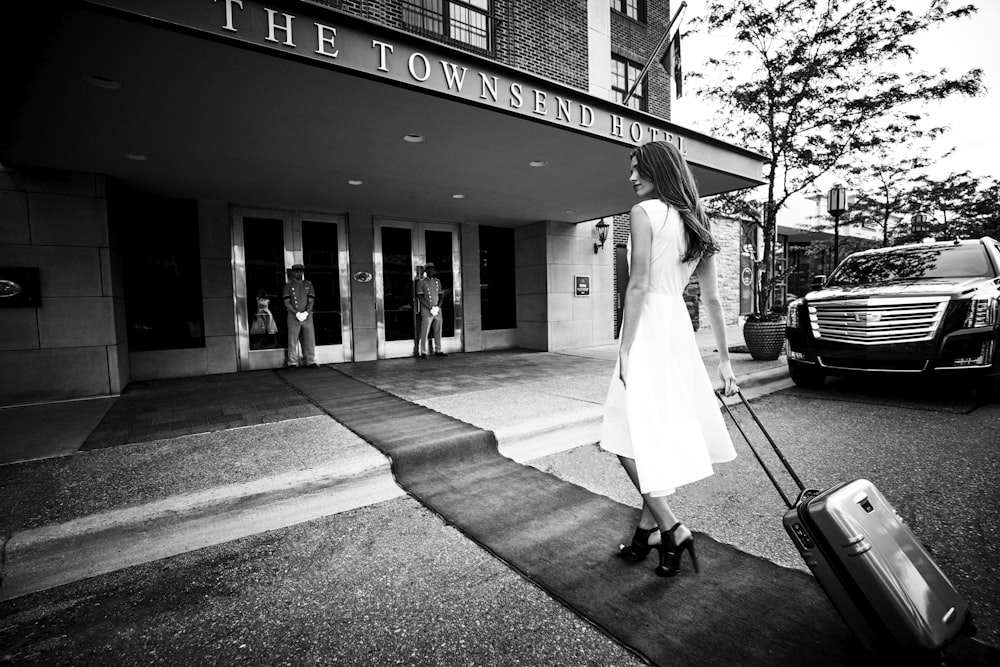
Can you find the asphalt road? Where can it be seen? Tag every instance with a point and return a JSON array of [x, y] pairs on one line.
[[393, 584]]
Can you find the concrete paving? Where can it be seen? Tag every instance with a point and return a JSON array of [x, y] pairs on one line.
[[167, 483]]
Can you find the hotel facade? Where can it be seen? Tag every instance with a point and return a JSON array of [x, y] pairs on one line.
[[164, 162]]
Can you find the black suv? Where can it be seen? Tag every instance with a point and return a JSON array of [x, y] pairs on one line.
[[921, 309]]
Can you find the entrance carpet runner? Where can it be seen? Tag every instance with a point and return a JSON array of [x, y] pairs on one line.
[[740, 610]]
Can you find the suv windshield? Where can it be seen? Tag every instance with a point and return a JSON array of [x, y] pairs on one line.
[[961, 261]]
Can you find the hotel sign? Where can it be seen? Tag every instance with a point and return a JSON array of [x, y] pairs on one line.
[[337, 41]]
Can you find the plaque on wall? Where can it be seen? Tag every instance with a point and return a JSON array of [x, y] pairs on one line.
[[19, 287], [582, 284]]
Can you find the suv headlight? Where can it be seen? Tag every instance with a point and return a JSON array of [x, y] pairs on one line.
[[792, 316], [983, 312]]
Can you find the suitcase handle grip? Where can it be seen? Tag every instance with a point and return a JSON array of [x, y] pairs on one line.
[[774, 446]]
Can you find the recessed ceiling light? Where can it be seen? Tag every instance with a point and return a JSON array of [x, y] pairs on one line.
[[538, 163], [355, 181], [570, 210], [102, 82], [136, 157], [458, 196], [414, 138]]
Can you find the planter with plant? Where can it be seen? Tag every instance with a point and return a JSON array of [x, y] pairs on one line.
[[764, 328]]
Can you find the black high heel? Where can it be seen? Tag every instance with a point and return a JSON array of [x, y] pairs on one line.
[[671, 552], [640, 546]]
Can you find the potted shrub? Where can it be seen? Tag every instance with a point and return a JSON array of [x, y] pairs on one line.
[[764, 328], [764, 335]]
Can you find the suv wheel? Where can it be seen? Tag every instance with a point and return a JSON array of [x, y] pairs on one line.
[[806, 376], [988, 389]]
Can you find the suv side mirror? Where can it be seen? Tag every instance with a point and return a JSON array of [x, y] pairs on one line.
[[817, 281]]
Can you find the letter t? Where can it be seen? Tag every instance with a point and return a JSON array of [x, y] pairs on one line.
[[229, 13]]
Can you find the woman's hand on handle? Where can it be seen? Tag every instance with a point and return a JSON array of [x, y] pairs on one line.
[[728, 378]]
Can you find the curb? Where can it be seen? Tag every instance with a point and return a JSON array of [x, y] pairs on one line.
[[761, 383], [553, 438], [763, 377], [528, 443], [41, 558]]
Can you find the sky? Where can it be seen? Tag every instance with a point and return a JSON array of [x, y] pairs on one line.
[[959, 45]]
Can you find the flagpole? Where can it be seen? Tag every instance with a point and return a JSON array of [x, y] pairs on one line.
[[652, 56]]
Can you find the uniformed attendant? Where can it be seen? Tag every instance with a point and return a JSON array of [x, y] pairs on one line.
[[430, 295], [299, 297]]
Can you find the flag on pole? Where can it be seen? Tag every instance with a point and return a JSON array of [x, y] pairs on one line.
[[671, 62]]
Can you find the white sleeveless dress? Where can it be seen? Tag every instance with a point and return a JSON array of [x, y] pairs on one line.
[[668, 418]]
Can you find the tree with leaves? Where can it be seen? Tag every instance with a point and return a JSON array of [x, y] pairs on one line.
[[983, 212], [810, 82], [959, 206], [886, 175]]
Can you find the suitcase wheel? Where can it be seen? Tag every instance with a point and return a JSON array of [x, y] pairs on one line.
[[969, 628]]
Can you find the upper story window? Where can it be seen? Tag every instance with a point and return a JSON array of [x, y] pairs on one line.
[[466, 21], [623, 75], [634, 9]]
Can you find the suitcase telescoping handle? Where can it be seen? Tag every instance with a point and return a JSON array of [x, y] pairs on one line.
[[753, 449]]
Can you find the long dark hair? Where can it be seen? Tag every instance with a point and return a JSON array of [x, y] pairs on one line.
[[662, 163]]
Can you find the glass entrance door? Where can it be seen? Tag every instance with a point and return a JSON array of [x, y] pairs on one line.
[[267, 244], [402, 249]]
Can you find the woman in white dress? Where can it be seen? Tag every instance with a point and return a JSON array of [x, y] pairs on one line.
[[661, 417]]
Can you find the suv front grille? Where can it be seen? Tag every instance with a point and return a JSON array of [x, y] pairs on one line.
[[877, 321]]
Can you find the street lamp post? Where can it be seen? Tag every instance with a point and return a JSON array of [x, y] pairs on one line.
[[836, 205]]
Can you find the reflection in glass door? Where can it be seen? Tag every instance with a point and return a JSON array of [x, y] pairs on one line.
[[397, 292], [266, 244], [320, 256], [438, 250], [402, 249]]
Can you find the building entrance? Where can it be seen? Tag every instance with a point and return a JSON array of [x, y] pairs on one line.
[[265, 245], [402, 249]]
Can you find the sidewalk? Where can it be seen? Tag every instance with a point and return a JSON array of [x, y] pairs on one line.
[[208, 460]]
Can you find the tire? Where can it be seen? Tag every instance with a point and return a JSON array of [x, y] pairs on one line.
[[988, 389], [806, 376]]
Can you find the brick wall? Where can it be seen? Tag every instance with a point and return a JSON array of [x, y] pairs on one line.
[[387, 13], [619, 236], [545, 38], [635, 41], [549, 39]]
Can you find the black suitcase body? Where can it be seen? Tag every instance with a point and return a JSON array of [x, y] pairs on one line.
[[880, 578]]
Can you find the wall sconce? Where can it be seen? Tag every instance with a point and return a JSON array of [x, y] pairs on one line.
[[602, 234]]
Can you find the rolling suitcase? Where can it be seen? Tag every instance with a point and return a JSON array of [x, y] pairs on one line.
[[879, 577]]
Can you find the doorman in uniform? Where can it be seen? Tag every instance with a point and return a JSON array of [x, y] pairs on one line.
[[430, 295], [299, 297]]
